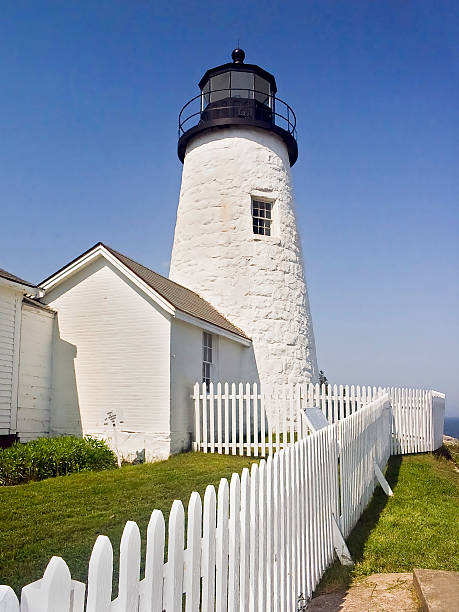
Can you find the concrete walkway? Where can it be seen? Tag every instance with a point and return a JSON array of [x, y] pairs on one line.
[[376, 593]]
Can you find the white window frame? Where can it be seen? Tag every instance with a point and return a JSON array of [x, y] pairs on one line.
[[261, 200]]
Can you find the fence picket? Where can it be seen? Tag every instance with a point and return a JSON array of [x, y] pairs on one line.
[[100, 576], [241, 419], [227, 421], [219, 419], [197, 418], [254, 539], [263, 425], [205, 431], [234, 544], [173, 579], [208, 550], [52, 593], [151, 588], [212, 437], [129, 573], [8, 600], [244, 587], [221, 578], [255, 419], [192, 573], [263, 561], [233, 419]]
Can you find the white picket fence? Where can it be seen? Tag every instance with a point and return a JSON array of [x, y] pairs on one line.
[[241, 419], [418, 420], [260, 544], [364, 440]]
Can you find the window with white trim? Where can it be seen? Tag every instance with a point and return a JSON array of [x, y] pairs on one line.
[[262, 217], [207, 357]]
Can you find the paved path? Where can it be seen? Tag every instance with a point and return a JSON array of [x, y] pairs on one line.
[[376, 593]]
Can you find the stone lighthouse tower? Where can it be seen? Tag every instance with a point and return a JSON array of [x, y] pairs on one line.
[[236, 238]]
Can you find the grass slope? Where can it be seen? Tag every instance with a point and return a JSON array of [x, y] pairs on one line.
[[417, 527], [63, 516]]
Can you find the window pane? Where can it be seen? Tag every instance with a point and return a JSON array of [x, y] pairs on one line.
[[262, 89], [241, 84], [219, 82], [205, 94], [261, 214]]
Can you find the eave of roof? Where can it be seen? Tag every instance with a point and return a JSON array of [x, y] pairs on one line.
[[19, 284], [14, 278]]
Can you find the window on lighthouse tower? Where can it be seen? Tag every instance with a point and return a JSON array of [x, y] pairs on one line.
[[262, 217]]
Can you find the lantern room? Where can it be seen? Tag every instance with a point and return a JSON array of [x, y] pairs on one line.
[[237, 94]]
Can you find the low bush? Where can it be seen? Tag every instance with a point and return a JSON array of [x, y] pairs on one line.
[[47, 457]]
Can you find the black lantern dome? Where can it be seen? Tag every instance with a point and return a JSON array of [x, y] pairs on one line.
[[237, 94]]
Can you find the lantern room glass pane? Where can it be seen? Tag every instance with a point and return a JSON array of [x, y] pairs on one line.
[[205, 95], [262, 90], [219, 87], [241, 84]]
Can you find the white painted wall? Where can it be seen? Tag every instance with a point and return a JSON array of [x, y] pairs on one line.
[[186, 369], [112, 353], [257, 282], [35, 372], [10, 321]]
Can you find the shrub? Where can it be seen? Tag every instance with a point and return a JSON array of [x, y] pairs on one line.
[[47, 457]]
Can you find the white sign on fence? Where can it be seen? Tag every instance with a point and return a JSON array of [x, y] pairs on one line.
[[315, 418]]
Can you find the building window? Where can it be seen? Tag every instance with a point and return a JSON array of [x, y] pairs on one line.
[[262, 217], [207, 357]]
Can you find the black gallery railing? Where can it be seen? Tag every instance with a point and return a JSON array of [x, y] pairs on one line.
[[236, 104]]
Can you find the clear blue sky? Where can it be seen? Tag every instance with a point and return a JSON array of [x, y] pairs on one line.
[[89, 104]]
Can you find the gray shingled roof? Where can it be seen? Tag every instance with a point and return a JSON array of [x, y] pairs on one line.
[[14, 278], [180, 297]]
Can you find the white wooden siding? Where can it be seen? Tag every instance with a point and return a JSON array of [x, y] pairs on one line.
[[10, 315], [35, 373], [116, 344], [186, 368]]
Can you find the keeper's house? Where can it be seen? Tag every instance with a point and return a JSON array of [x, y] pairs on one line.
[[110, 340]]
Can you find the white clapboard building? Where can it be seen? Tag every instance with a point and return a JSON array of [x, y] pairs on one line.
[[106, 346]]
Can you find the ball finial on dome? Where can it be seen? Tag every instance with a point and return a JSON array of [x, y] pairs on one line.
[[238, 56]]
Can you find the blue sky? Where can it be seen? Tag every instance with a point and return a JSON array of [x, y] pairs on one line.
[[90, 97]]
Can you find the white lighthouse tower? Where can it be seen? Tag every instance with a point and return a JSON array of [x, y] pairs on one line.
[[236, 238]]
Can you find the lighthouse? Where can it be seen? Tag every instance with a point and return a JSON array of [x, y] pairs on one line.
[[236, 239]]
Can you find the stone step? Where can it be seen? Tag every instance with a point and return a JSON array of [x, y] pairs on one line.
[[437, 590], [376, 593]]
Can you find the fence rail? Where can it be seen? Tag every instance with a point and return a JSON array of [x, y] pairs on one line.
[[241, 419], [261, 543]]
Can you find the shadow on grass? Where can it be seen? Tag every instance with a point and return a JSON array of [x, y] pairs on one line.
[[338, 576]]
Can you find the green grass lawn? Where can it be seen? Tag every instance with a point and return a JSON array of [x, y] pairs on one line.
[[417, 527], [63, 516]]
